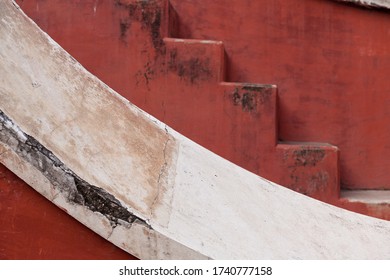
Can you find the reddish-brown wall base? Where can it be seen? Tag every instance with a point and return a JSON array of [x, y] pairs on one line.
[[31, 227]]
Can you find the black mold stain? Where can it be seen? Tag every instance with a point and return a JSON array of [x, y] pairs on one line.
[[149, 72], [312, 185], [318, 182], [154, 21], [264, 92], [236, 97], [193, 69], [251, 95], [70, 184], [172, 59], [149, 14], [296, 184], [308, 157], [124, 25], [247, 100]]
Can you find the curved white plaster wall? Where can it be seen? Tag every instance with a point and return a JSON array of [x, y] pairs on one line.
[[370, 3], [189, 203]]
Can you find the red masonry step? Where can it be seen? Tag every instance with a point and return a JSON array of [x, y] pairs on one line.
[[182, 82]]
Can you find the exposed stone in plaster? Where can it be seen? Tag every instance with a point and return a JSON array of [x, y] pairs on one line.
[[137, 238], [75, 189]]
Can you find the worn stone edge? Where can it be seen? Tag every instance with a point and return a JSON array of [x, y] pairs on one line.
[[91, 205]]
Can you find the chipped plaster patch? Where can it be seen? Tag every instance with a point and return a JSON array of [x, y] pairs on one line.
[[75, 189]]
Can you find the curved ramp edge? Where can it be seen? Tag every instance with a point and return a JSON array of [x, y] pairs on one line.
[[382, 4], [141, 185]]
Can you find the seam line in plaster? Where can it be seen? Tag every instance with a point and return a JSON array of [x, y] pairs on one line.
[[162, 171]]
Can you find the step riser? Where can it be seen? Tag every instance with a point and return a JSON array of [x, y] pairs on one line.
[[309, 169], [253, 123], [232, 119], [195, 61]]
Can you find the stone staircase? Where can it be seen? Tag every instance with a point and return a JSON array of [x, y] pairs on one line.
[[183, 82], [186, 87]]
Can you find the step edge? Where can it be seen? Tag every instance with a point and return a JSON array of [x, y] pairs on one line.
[[366, 196]]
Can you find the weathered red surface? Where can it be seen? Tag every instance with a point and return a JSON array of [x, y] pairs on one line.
[[31, 227], [330, 62]]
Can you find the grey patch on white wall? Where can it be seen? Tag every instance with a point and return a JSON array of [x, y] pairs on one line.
[[74, 188]]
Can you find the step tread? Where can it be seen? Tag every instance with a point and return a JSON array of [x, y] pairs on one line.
[[192, 41], [367, 196]]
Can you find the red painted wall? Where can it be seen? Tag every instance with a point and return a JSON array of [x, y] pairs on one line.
[[330, 62], [123, 43], [31, 227]]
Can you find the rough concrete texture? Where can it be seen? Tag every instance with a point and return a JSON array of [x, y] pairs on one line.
[[179, 199]]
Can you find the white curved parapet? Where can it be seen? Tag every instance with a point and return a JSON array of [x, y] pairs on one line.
[[385, 4], [141, 185]]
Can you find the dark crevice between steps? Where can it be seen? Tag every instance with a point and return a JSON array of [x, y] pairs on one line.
[[72, 186]]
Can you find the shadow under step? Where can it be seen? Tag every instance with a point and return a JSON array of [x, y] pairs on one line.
[[374, 203]]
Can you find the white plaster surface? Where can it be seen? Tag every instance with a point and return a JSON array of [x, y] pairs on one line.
[[197, 204], [367, 196], [371, 3]]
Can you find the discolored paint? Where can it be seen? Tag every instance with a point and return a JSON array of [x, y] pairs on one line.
[[308, 157], [313, 169], [193, 69], [148, 14], [248, 96]]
